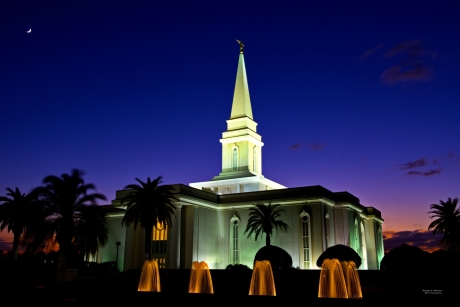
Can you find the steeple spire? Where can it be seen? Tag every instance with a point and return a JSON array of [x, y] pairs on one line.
[[241, 106], [241, 146]]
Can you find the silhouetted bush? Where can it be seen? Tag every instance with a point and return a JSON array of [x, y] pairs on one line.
[[238, 267], [340, 252], [278, 257], [405, 257]]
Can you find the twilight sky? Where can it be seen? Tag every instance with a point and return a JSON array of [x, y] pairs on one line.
[[357, 96]]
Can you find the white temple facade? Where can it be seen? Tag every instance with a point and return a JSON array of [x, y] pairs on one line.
[[211, 216]]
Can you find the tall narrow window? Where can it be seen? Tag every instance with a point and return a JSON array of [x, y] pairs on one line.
[[363, 247], [235, 158], [254, 160], [326, 229], [305, 253], [159, 241], [234, 240], [356, 245]]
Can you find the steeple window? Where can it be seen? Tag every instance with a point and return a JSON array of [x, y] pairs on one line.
[[254, 160], [235, 158]]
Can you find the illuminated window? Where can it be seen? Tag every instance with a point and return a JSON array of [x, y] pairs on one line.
[[305, 253], [363, 247], [235, 158], [356, 236], [254, 167], [234, 240], [326, 229], [159, 238], [161, 262]]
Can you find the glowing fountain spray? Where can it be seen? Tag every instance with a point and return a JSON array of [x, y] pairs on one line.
[[262, 282], [150, 277], [200, 278], [332, 281], [352, 279]]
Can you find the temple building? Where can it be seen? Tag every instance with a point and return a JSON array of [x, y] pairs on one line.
[[211, 216]]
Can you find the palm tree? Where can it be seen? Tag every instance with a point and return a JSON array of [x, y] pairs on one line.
[[69, 210], [18, 214], [149, 204], [263, 219], [92, 230], [447, 222]]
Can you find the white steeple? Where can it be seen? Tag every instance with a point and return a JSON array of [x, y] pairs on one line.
[[241, 106], [241, 145]]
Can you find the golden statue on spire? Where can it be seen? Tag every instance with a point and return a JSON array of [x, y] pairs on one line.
[[241, 45]]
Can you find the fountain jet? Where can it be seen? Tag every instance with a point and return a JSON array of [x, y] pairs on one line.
[[150, 277], [339, 280], [332, 281], [262, 282], [352, 279], [200, 278]]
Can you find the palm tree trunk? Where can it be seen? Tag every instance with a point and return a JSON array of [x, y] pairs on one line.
[[62, 265], [267, 240], [15, 246], [148, 242]]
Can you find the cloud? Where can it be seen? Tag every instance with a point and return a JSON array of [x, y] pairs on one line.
[[315, 146], [410, 68], [295, 146], [426, 174], [417, 163], [416, 72], [413, 48], [420, 238], [371, 51], [450, 155]]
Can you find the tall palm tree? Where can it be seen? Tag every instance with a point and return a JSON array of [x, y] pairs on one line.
[[18, 214], [92, 230], [447, 222], [149, 204], [264, 219], [69, 210]]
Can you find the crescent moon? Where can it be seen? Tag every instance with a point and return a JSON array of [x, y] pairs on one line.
[[30, 30]]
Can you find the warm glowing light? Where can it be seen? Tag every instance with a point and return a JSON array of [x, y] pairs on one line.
[[339, 280], [262, 282], [150, 277], [352, 279], [160, 232], [332, 281], [200, 278]]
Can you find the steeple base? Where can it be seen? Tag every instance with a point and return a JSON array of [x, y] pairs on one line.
[[227, 185], [233, 175]]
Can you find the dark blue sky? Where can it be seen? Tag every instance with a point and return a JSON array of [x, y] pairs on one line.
[[357, 96]]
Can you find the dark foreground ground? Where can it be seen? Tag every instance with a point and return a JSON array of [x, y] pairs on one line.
[[230, 288]]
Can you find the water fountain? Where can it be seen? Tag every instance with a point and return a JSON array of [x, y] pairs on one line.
[[200, 278], [150, 277], [352, 279], [262, 281], [332, 281]]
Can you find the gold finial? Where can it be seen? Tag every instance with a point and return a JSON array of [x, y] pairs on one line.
[[241, 45]]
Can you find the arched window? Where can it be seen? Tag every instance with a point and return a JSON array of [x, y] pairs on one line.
[[363, 247], [234, 240], [235, 158], [326, 228], [254, 160], [159, 241], [356, 235], [305, 238]]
